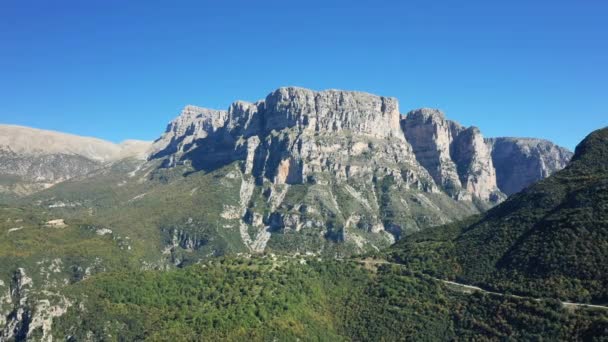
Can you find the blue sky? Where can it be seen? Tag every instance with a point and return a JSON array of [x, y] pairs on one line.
[[123, 69]]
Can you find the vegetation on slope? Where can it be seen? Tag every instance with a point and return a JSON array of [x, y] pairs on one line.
[[268, 298]]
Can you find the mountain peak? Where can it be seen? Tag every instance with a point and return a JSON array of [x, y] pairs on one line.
[[190, 112], [332, 111], [425, 114], [33, 141], [592, 152]]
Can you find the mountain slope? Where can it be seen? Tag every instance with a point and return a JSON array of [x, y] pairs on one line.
[[549, 240], [302, 298], [33, 159]]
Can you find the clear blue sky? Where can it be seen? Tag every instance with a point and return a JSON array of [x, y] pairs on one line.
[[123, 69]]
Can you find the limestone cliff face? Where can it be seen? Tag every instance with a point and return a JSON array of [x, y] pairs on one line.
[[332, 111], [466, 165], [192, 124], [519, 162], [456, 157], [298, 135], [332, 162], [345, 166], [431, 137], [475, 166]]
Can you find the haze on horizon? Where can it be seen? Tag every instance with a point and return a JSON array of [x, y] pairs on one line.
[[118, 70]]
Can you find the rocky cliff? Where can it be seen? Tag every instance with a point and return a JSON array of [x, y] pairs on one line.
[[192, 124], [520, 162], [455, 156], [332, 162], [337, 162], [464, 164]]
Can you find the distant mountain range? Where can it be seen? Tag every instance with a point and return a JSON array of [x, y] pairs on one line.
[[33, 159]]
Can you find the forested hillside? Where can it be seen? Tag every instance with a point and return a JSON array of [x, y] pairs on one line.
[[281, 298]]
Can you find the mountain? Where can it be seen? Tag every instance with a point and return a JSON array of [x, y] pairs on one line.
[[313, 171], [550, 240], [332, 163], [239, 224], [33, 159], [346, 165], [520, 162]]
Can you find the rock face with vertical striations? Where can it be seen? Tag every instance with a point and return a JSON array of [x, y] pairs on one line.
[[333, 162], [192, 124], [475, 166], [295, 135], [431, 137], [520, 162], [465, 165], [457, 157], [344, 165]]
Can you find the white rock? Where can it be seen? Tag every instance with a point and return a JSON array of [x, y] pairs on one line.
[[57, 223], [103, 231]]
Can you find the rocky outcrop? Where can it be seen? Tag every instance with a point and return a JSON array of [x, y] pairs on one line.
[[431, 137], [456, 157], [520, 162], [16, 318], [26, 313], [475, 166], [465, 165], [192, 124], [332, 111]]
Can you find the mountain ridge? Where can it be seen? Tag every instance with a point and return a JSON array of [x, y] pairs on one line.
[[346, 166], [485, 186], [33, 159]]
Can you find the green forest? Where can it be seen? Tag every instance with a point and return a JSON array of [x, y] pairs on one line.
[[279, 298]]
